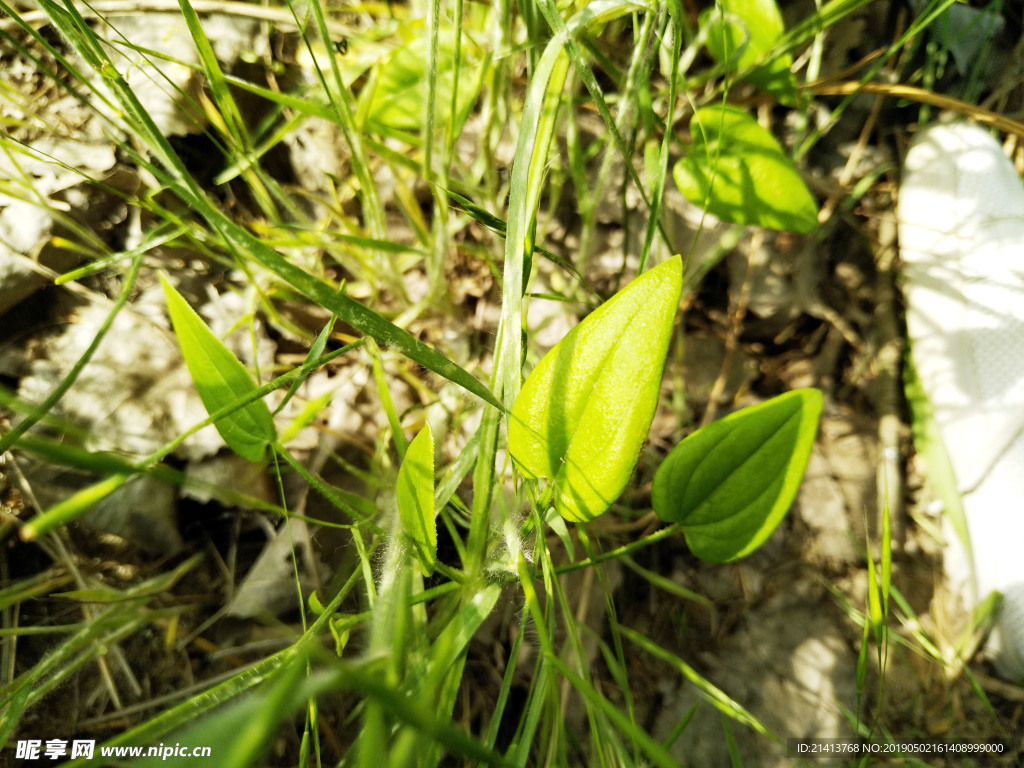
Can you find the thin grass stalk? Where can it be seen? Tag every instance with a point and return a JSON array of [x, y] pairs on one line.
[[497, 96], [435, 166], [655, 752], [8, 440], [527, 172], [677, 18], [498, 715], [341, 101], [596, 12], [713, 694], [242, 243], [76, 505], [639, 66], [613, 625], [803, 32]]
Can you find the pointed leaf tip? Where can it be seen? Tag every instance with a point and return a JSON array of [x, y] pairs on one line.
[[416, 498], [221, 380], [582, 417], [731, 483], [739, 172]]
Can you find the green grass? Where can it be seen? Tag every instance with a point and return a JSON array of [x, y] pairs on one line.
[[384, 666]]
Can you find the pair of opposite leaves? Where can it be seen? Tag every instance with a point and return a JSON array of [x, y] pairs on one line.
[[583, 415], [581, 421]]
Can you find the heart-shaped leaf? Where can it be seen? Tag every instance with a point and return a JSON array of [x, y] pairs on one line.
[[221, 381], [583, 415], [416, 498], [731, 482], [738, 171], [741, 33]]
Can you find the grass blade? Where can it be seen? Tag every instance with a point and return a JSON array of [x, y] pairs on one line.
[[243, 244]]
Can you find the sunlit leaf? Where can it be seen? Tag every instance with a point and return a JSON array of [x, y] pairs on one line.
[[741, 33], [416, 497], [738, 172], [399, 95], [583, 415], [731, 483], [221, 381]]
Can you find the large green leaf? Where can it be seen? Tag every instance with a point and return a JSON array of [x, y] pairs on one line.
[[583, 415], [731, 482], [221, 381], [738, 171], [416, 498], [741, 33]]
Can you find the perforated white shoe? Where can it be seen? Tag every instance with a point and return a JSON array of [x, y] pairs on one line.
[[961, 231]]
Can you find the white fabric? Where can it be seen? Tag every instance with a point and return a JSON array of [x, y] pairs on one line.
[[961, 230]]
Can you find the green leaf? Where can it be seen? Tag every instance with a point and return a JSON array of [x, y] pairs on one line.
[[398, 98], [741, 33], [169, 169], [730, 483], [738, 172], [16, 704], [928, 443], [451, 642], [583, 415], [71, 508], [416, 498], [221, 381], [315, 351]]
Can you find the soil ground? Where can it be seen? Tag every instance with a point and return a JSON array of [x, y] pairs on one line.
[[779, 631]]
